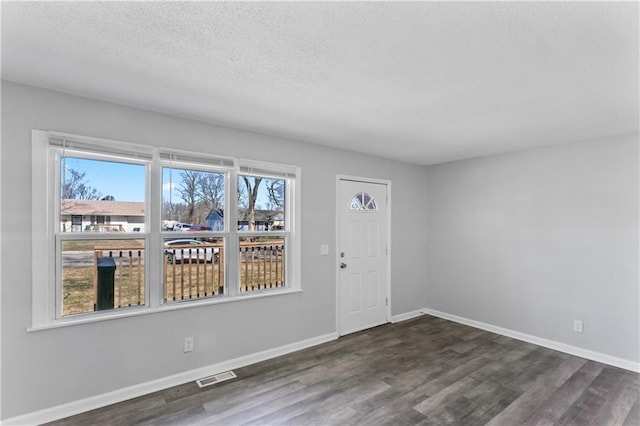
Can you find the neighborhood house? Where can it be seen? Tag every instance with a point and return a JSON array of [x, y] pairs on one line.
[[101, 216], [264, 220]]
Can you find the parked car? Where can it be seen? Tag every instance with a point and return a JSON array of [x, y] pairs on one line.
[[185, 249], [196, 228], [182, 227]]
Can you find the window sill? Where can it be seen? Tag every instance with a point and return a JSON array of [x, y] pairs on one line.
[[173, 306]]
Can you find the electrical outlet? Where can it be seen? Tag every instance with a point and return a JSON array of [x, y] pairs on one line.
[[577, 326], [188, 344]]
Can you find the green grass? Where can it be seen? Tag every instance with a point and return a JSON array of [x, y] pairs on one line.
[[79, 294], [77, 290]]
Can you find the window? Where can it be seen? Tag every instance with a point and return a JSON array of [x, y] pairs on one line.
[[193, 230], [262, 231], [363, 202], [100, 230], [126, 229]]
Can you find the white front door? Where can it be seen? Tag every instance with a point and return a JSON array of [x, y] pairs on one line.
[[362, 255]]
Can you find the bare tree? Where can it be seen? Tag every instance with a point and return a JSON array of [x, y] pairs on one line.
[[168, 210], [251, 196], [211, 190], [275, 189], [75, 187], [188, 190]]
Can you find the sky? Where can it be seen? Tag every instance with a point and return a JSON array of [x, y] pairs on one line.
[[126, 182]]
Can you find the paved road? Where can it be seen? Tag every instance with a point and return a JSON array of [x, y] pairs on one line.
[[85, 258]]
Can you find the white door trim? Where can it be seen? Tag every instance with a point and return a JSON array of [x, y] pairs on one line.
[[387, 183]]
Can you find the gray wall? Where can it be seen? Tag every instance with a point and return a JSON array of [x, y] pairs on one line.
[[531, 241], [51, 367], [527, 241]]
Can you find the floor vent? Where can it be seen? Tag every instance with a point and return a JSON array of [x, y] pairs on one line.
[[217, 378]]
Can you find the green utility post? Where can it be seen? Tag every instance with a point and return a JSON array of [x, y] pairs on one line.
[[106, 274]]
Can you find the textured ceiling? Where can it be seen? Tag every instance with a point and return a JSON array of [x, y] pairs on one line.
[[419, 82]]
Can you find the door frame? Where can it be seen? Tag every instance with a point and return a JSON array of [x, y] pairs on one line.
[[387, 183]]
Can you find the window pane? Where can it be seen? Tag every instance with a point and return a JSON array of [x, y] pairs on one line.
[[261, 203], [193, 268], [102, 274], [101, 196], [192, 200], [262, 263], [363, 202]]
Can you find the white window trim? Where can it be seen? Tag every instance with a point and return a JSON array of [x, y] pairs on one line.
[[55, 162], [292, 236], [44, 289], [42, 241]]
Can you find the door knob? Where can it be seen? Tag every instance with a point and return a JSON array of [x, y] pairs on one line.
[[343, 265]]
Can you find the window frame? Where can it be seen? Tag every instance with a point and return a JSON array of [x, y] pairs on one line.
[[46, 235], [363, 207], [201, 166], [258, 169], [58, 153]]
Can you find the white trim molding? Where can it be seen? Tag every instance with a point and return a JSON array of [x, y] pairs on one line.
[[91, 403], [406, 316], [540, 341]]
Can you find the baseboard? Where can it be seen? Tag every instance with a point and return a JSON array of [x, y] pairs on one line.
[[406, 316], [551, 344], [91, 403]]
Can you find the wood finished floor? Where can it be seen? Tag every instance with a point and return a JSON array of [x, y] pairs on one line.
[[425, 371]]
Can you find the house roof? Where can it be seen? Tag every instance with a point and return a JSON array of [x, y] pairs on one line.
[[103, 208], [215, 214]]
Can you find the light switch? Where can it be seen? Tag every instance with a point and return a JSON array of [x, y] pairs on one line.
[[324, 249]]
